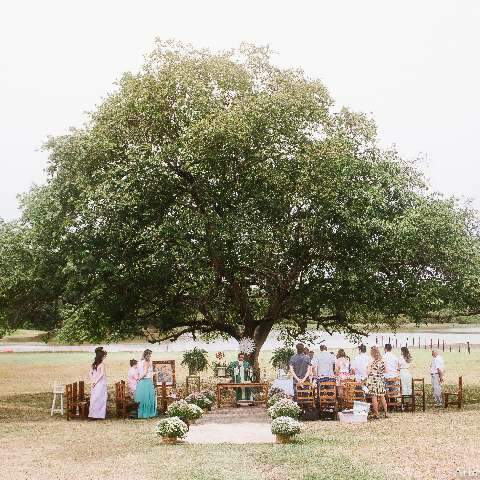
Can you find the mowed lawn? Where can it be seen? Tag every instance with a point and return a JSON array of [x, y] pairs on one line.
[[33, 445]]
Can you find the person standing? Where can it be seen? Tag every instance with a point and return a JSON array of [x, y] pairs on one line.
[[376, 381], [323, 365], [133, 376], [391, 363], [405, 375], [437, 371], [145, 392], [98, 379], [299, 366], [342, 370], [241, 372], [359, 365]]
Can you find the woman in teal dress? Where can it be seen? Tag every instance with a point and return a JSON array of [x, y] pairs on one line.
[[145, 393]]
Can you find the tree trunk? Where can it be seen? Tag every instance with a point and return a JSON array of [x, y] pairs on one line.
[[259, 335]]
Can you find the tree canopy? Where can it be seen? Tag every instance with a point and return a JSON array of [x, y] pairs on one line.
[[215, 193]]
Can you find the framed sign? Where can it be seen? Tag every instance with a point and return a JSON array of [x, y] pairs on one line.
[[164, 371]]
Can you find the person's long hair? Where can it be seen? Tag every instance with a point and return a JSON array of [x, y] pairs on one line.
[[341, 353], [146, 353], [99, 356], [375, 353], [406, 354]]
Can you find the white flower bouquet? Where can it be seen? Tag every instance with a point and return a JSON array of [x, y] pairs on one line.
[[184, 410], [172, 427], [275, 398], [286, 426], [199, 399], [285, 408]]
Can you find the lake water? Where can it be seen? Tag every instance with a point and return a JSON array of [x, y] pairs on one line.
[[451, 336]]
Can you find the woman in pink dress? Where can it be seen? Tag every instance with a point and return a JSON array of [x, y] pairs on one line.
[[133, 377], [98, 393]]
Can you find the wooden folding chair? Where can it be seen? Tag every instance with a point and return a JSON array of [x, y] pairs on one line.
[[305, 395], [124, 403], [352, 391], [418, 393], [327, 398], [77, 402], [458, 395], [393, 393], [165, 396]]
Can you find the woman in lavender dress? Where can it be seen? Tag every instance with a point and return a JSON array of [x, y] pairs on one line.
[[98, 378]]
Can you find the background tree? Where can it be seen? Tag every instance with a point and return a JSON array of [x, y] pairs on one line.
[[215, 193]]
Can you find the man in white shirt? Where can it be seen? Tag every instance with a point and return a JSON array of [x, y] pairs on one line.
[[323, 365], [437, 371], [392, 366], [360, 363]]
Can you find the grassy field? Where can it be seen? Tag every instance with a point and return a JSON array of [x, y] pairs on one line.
[[34, 445]]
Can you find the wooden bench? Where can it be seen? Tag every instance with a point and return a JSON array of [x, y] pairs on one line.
[[78, 403], [233, 386], [124, 403], [457, 396]]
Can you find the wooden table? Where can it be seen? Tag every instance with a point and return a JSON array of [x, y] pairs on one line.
[[229, 386]]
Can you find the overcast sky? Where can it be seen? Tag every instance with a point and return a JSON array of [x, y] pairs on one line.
[[413, 64]]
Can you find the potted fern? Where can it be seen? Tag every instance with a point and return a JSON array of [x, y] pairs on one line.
[[280, 358], [196, 360]]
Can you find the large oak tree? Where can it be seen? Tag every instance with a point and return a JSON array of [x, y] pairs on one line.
[[214, 193]]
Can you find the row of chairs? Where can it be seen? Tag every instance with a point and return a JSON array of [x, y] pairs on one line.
[[78, 402], [323, 396]]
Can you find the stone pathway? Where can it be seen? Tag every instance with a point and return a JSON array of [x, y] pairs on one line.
[[232, 425]]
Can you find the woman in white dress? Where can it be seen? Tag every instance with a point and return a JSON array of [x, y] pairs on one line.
[[342, 370], [405, 375], [98, 379]]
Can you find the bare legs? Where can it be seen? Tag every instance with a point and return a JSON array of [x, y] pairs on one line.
[[375, 405]]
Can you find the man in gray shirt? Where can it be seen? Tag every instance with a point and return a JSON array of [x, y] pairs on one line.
[[299, 365]]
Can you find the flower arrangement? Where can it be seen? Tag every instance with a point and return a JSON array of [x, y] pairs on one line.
[[284, 408], [219, 366], [210, 394], [246, 345], [200, 400], [172, 427], [273, 399], [185, 411], [274, 390], [286, 426], [220, 356]]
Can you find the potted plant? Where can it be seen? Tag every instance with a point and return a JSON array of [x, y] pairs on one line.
[[273, 399], [280, 358], [171, 429], [285, 408], [187, 412], [196, 360], [219, 366], [284, 428], [199, 399], [210, 394]]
